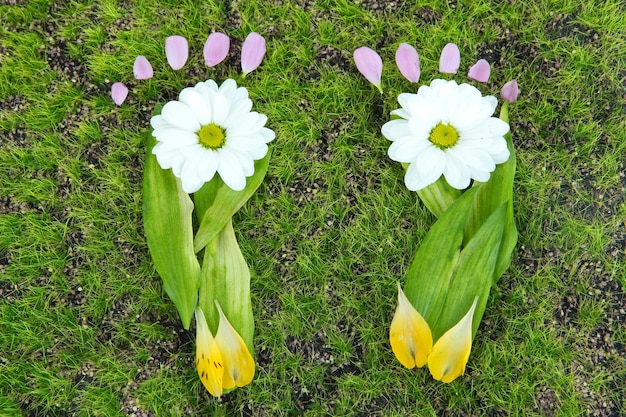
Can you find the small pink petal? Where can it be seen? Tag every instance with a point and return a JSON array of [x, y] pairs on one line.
[[176, 51], [408, 62], [370, 64], [119, 92], [480, 71], [216, 48], [510, 91], [252, 52], [142, 68], [450, 59]]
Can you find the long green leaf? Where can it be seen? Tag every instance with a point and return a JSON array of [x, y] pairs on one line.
[[472, 276], [430, 273], [492, 194], [167, 211], [216, 203], [226, 278]]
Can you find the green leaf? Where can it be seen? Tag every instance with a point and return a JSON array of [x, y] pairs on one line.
[[472, 276], [492, 194], [438, 196], [226, 278], [216, 203], [434, 263], [167, 212]]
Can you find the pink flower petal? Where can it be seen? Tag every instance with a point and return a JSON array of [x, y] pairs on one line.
[[216, 48], [408, 62], [480, 71], [370, 64], [510, 91], [119, 92], [176, 51], [450, 59], [252, 52], [142, 68]]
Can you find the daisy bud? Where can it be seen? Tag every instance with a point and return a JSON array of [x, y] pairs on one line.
[[450, 59], [409, 335], [408, 62], [216, 48], [370, 64], [480, 71], [252, 52], [510, 91], [119, 92], [142, 68], [450, 354], [176, 51]]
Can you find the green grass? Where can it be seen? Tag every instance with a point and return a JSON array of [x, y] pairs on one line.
[[85, 327]]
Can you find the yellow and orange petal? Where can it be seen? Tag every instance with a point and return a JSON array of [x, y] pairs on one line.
[[451, 352], [209, 360], [409, 334], [238, 362]]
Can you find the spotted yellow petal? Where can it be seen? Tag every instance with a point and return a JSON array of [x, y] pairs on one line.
[[410, 337], [238, 362], [208, 357], [450, 354]]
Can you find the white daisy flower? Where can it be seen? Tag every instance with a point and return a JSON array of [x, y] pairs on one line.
[[446, 129], [210, 129]]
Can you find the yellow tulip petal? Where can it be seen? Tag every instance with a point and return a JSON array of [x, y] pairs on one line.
[[238, 362], [410, 337], [208, 356], [450, 354]]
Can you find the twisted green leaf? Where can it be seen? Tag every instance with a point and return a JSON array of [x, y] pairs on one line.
[[216, 203]]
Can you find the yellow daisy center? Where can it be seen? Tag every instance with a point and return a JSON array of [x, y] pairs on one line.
[[444, 136], [212, 136]]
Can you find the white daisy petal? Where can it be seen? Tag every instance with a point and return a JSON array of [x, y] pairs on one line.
[[191, 186], [158, 121], [198, 105], [407, 149], [431, 162], [180, 115], [175, 136], [258, 152], [208, 166], [227, 107], [499, 151], [431, 152], [267, 134], [212, 85], [395, 129], [230, 170], [240, 94], [221, 108], [412, 178], [492, 127], [243, 123], [190, 175], [239, 107], [456, 173], [401, 113], [247, 163]]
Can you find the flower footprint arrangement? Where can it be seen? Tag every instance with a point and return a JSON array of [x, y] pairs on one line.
[[461, 162], [208, 154], [210, 144]]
